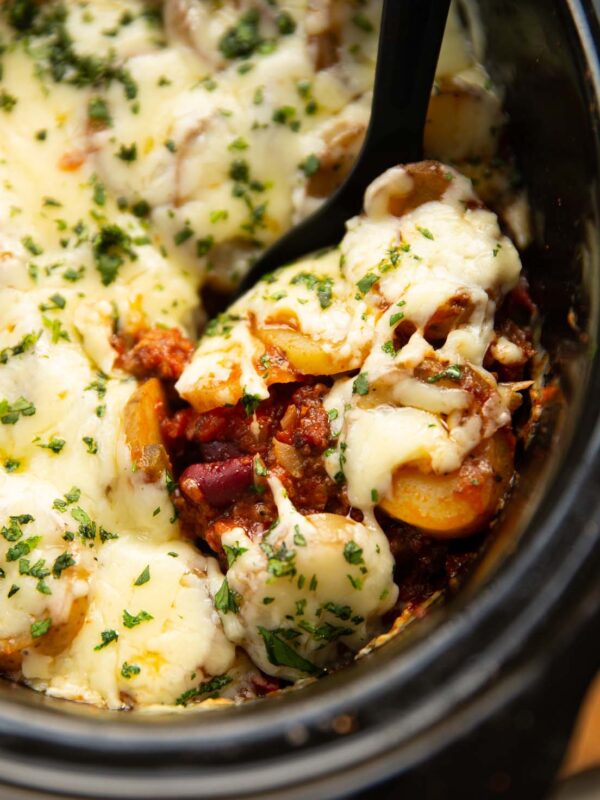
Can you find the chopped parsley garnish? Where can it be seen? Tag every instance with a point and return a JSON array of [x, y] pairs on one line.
[[57, 332], [286, 24], [12, 464], [40, 627], [30, 245], [58, 57], [227, 599], [204, 245], [280, 562], [341, 612], [396, 318], [238, 144], [218, 215], [242, 39], [131, 620], [453, 372], [7, 101], [183, 235], [91, 445], [323, 286], [55, 445], [283, 114], [143, 577], [87, 528], [209, 688], [360, 385], [10, 413], [61, 563], [425, 232], [56, 302], [27, 343], [299, 537], [129, 670], [233, 553], [356, 583], [110, 246], [281, 654], [326, 631], [259, 467], [107, 637], [310, 165], [367, 282], [389, 348], [98, 112], [353, 553], [127, 152], [72, 496], [250, 403]]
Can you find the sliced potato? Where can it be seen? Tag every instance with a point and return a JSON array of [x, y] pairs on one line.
[[463, 123], [458, 504], [142, 417], [308, 355]]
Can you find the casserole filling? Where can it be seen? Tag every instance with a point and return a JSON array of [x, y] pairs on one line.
[[183, 523]]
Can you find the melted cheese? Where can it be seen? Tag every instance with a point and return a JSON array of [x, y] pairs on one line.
[[311, 584], [119, 198]]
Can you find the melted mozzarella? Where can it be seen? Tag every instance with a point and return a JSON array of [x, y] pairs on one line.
[[174, 641], [312, 584], [193, 161]]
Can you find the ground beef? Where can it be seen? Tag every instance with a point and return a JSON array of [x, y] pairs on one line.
[[153, 353], [287, 435]]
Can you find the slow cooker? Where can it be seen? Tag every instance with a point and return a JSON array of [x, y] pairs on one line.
[[478, 699]]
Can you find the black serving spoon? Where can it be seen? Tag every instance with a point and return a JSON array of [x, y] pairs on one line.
[[409, 46]]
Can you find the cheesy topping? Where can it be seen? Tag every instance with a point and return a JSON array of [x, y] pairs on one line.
[[147, 150], [340, 312]]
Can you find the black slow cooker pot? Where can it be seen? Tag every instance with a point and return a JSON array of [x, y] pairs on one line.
[[477, 700]]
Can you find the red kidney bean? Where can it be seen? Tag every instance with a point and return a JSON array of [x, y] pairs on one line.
[[218, 482]]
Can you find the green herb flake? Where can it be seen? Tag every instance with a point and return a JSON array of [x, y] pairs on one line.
[[61, 563], [127, 152], [10, 413], [7, 101], [131, 620], [129, 670], [281, 654], [227, 599], [98, 112], [243, 38], [250, 402], [143, 577], [28, 341], [233, 552], [91, 445], [286, 24], [353, 553], [40, 627], [425, 232], [310, 165], [107, 637], [453, 372], [360, 385], [367, 282], [208, 688]]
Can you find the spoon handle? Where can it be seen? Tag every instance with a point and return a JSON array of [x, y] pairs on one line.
[[409, 45]]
